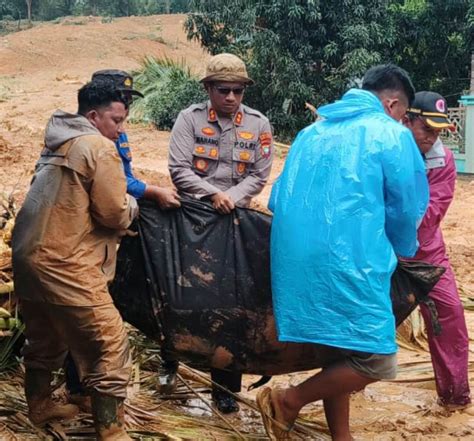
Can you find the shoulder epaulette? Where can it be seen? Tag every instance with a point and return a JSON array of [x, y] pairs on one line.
[[194, 107], [253, 112]]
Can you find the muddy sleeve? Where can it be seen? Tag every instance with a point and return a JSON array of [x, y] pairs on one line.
[[442, 182], [180, 160], [110, 204], [253, 184]]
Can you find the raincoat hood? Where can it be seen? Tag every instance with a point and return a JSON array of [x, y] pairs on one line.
[[64, 126], [354, 102]]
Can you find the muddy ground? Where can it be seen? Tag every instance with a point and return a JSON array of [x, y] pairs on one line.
[[41, 70]]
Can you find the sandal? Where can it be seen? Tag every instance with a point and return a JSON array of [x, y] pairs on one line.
[[277, 429]]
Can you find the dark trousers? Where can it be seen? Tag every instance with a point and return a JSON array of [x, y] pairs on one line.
[[73, 384], [230, 380]]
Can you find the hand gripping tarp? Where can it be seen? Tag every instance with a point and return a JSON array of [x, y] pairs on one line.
[[199, 283]]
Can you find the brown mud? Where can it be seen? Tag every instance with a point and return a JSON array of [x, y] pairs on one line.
[[41, 70]]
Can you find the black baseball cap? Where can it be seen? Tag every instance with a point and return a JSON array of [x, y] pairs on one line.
[[433, 108], [122, 80]]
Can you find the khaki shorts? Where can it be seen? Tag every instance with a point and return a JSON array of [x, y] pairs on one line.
[[94, 335], [374, 366]]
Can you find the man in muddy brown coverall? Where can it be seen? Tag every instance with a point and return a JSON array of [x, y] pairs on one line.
[[221, 151], [64, 253], [165, 198]]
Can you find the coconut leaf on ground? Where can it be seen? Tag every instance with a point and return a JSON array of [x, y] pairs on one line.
[[187, 414]]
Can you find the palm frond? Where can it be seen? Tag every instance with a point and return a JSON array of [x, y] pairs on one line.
[[151, 78]]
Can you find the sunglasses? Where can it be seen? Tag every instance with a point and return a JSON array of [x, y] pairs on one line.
[[226, 90]]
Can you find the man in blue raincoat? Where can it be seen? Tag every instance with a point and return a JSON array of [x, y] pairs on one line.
[[165, 197], [346, 205]]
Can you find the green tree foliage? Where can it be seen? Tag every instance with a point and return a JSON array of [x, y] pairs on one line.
[[313, 50], [297, 51], [434, 43], [51, 9], [13, 9]]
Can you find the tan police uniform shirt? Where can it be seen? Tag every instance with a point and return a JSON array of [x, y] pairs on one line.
[[209, 154]]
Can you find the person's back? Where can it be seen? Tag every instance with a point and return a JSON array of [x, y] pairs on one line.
[[331, 222], [348, 201]]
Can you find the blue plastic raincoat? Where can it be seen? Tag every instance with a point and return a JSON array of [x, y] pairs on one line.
[[347, 202]]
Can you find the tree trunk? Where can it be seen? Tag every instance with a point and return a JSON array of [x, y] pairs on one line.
[[472, 74], [69, 6], [93, 4], [28, 7]]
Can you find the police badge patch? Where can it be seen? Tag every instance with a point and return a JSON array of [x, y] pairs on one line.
[[265, 144], [209, 131], [201, 164], [200, 150], [246, 135], [241, 167], [244, 156]]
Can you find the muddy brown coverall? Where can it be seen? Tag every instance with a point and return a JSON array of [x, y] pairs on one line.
[[64, 252]]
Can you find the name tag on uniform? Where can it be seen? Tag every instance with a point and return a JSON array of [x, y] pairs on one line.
[[206, 140]]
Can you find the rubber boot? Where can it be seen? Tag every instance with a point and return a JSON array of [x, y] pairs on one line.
[[82, 401], [109, 418], [167, 377], [224, 402], [41, 407]]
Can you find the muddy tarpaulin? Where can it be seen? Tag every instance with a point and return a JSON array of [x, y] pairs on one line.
[[199, 283]]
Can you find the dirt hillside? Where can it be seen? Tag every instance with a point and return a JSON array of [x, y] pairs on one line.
[[41, 70]]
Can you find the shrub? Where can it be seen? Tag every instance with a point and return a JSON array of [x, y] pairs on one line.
[[169, 87]]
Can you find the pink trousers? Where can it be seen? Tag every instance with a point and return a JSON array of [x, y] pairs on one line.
[[449, 350]]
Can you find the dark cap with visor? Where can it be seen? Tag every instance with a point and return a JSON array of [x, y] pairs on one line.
[[433, 108], [122, 80]]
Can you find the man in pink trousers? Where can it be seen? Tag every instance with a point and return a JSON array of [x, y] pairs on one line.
[[449, 350]]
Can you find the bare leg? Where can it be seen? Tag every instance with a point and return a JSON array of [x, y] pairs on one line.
[[333, 385], [337, 415]]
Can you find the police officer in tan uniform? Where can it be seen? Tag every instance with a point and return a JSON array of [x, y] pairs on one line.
[[221, 151]]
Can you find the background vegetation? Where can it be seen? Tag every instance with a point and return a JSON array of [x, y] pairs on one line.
[[51, 9], [297, 51], [300, 51], [168, 87]]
